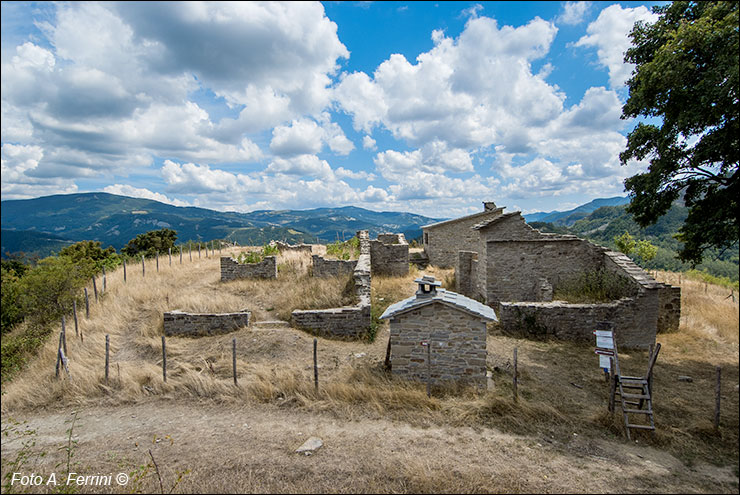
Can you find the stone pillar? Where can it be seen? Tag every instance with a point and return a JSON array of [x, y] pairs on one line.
[[464, 273]]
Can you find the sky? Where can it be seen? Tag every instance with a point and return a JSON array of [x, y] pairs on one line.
[[424, 107]]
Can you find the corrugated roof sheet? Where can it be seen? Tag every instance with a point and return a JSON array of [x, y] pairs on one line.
[[445, 297]]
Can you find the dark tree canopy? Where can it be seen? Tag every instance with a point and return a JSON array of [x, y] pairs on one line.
[[686, 76], [151, 243]]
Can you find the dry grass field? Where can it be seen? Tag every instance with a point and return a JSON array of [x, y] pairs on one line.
[[381, 434]]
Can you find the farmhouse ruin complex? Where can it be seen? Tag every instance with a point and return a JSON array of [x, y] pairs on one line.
[[505, 271], [514, 269]]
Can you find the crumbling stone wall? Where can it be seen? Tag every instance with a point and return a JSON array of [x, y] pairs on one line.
[[389, 255], [331, 268], [181, 324], [285, 247], [232, 269], [346, 322], [457, 339], [443, 240]]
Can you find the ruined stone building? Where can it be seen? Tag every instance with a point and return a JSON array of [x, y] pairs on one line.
[[443, 240], [438, 334], [514, 268]]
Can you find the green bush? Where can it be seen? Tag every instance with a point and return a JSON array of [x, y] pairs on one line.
[[594, 286], [257, 256], [346, 250], [12, 313]]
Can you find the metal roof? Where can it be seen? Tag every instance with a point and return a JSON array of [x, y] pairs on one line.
[[443, 296]]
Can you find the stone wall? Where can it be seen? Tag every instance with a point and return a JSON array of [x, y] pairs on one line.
[[669, 308], [180, 324], [331, 268], [465, 273], [350, 321], [232, 269], [634, 319], [458, 345], [516, 268], [389, 255], [285, 247], [443, 240]]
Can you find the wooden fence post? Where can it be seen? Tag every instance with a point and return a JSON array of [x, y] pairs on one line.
[[95, 289], [190, 250], [516, 378], [143, 266], [233, 357], [157, 260], [87, 305], [74, 313], [388, 355], [164, 360], [199, 250], [181, 254], [315, 366], [64, 336], [59, 355], [105, 285], [124, 270], [107, 356], [429, 366], [717, 397], [169, 252]]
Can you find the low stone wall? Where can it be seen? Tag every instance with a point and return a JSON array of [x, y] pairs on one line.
[[331, 268], [349, 321], [389, 255], [634, 319], [232, 269], [180, 324]]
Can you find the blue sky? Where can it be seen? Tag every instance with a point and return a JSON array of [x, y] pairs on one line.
[[426, 107]]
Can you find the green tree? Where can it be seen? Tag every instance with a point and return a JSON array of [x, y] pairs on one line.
[[91, 251], [48, 289], [625, 243], [686, 77], [151, 243], [11, 309], [645, 250]]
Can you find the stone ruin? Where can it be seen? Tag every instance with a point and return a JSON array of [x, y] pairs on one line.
[[389, 255], [179, 323], [501, 260], [349, 321], [439, 335], [231, 269]]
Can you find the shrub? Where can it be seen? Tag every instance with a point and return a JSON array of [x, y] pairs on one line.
[[151, 243], [346, 250], [594, 286], [257, 256]]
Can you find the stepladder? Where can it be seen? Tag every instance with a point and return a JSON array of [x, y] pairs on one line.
[[635, 395]]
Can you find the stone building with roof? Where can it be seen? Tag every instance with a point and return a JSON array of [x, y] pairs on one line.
[[515, 269], [439, 335], [443, 240]]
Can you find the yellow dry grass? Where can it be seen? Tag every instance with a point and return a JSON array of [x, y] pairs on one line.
[[561, 388]]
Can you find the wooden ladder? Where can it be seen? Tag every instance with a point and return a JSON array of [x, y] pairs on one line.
[[638, 397]]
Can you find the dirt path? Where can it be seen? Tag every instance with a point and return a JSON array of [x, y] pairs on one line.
[[252, 449]]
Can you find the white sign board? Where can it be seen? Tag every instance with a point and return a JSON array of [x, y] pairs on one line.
[[604, 341]]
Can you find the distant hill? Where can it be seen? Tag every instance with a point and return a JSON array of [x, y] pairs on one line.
[[571, 216], [604, 224], [32, 243], [114, 220]]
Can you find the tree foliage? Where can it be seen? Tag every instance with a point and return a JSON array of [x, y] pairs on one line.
[[151, 243], [686, 75], [91, 251]]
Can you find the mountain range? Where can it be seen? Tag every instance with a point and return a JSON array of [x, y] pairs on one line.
[[44, 225], [570, 217]]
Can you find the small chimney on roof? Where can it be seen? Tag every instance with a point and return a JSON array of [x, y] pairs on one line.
[[427, 286], [489, 206]]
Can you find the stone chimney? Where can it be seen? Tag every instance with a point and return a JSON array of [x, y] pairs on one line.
[[489, 206], [427, 287]]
